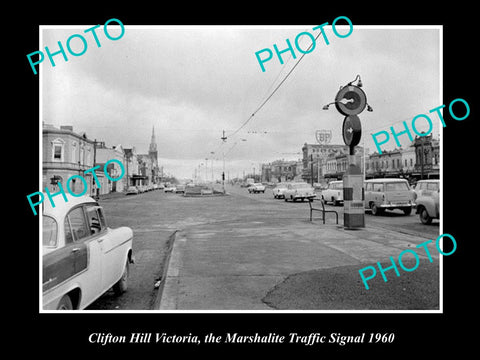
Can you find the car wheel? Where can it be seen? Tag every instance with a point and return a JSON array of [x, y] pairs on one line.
[[374, 208], [407, 211], [121, 285], [424, 217], [285, 198], [65, 303]]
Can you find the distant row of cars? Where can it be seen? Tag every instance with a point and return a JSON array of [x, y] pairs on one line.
[[380, 195], [134, 190]]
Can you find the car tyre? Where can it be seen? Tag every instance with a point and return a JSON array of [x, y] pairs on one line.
[[407, 211], [122, 284], [424, 217], [65, 303], [375, 209]]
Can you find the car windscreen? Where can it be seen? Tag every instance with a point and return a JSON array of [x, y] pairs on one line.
[[397, 186], [302, 186], [49, 231]]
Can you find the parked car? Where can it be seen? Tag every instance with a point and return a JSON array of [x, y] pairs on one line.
[[142, 188], [132, 190], [180, 189], [333, 192], [299, 191], [426, 186], [206, 191], [279, 191], [428, 200], [161, 186], [388, 194], [82, 256], [169, 188], [256, 188]]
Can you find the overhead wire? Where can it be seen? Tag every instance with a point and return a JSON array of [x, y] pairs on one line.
[[274, 90]]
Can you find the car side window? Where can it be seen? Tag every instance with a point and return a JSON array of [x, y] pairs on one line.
[[378, 187], [432, 186], [75, 226], [94, 221]]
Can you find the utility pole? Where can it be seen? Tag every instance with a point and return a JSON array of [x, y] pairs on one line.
[[311, 168]]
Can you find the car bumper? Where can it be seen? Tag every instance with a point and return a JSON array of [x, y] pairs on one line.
[[305, 196], [396, 205]]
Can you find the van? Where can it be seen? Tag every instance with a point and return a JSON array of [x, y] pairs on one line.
[[388, 194]]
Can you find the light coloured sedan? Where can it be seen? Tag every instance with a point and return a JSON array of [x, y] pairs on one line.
[[299, 191], [279, 191], [132, 190], [256, 188], [333, 192], [82, 256]]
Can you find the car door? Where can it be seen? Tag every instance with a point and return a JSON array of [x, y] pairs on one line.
[[78, 231], [378, 193], [59, 264], [71, 258], [103, 238]]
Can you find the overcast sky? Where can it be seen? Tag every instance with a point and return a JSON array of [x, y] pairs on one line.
[[191, 83]]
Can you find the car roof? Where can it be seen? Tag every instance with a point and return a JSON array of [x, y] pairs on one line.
[[336, 181], [62, 206], [386, 180], [429, 180]]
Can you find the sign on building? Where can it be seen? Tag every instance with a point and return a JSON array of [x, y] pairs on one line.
[[323, 136]]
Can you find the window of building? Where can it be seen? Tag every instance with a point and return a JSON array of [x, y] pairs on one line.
[[57, 152], [74, 152], [57, 149], [393, 163]]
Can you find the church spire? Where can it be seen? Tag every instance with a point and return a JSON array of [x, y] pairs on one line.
[[153, 143]]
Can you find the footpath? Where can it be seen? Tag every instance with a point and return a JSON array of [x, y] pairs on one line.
[[298, 265]]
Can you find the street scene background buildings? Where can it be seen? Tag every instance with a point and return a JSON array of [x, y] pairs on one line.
[[210, 82], [66, 153]]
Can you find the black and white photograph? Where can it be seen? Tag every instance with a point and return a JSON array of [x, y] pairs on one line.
[[225, 184], [233, 170]]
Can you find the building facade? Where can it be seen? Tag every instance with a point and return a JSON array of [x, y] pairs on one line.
[[66, 153], [322, 163], [427, 156], [103, 155], [281, 171]]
